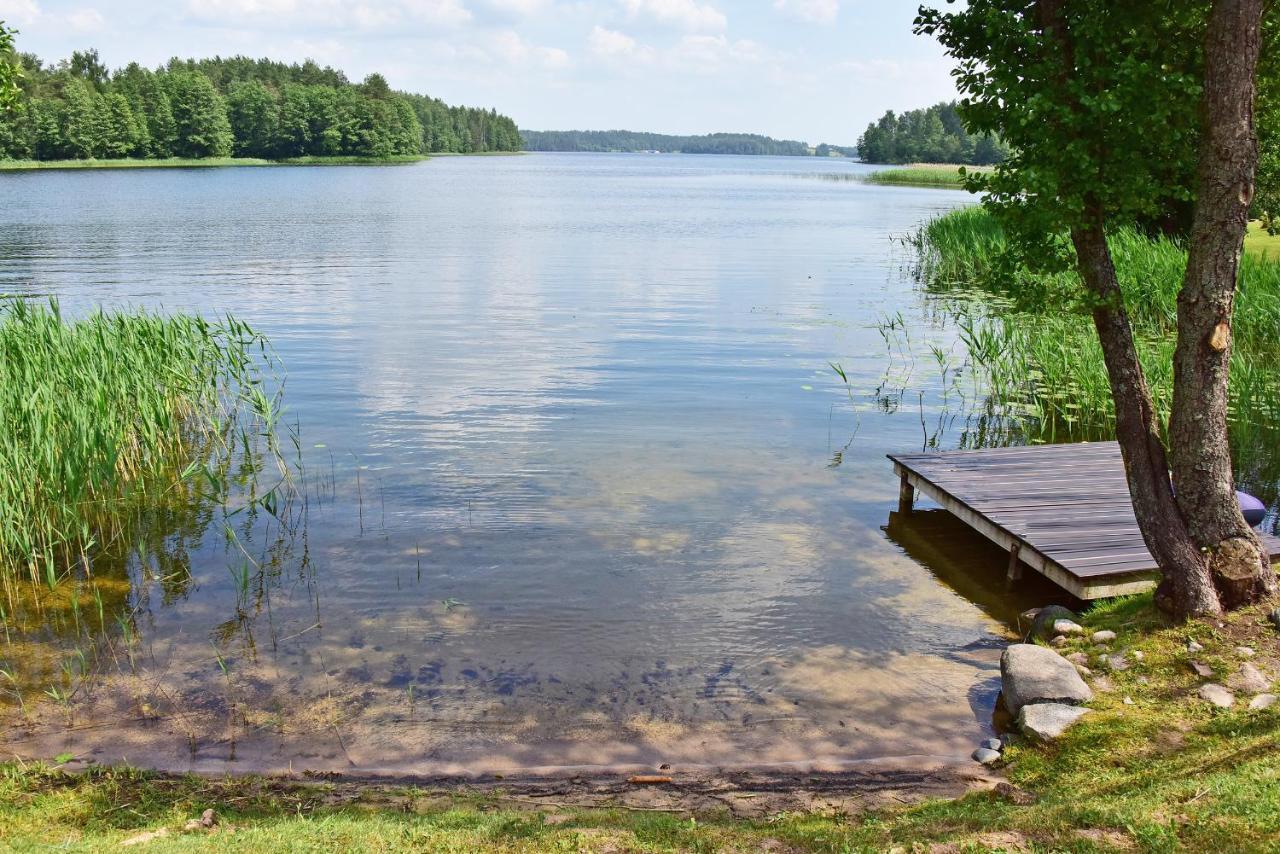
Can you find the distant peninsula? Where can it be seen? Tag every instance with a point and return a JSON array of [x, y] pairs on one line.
[[711, 143]]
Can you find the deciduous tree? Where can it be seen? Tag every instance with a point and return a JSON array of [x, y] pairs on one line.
[[1113, 110]]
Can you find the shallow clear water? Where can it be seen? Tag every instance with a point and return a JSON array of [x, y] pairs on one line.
[[581, 486]]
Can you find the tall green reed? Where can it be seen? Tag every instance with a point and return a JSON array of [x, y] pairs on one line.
[[1032, 340], [109, 415]]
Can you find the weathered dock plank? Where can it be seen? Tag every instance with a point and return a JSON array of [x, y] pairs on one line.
[[1063, 510]]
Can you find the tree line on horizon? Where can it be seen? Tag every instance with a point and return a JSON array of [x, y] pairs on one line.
[[630, 141], [932, 135], [231, 107]]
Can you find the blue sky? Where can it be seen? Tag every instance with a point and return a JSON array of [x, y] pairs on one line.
[[817, 70]]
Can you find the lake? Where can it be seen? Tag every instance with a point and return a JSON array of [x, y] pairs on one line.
[[580, 485]]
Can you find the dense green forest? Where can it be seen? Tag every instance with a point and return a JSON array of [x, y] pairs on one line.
[[626, 140], [77, 109], [932, 135]]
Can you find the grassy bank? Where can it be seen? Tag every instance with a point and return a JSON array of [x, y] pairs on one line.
[[923, 175], [1152, 767], [101, 417], [205, 162], [1259, 243]]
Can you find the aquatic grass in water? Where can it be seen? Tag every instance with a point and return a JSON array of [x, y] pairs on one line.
[[922, 175], [108, 415], [1039, 355]]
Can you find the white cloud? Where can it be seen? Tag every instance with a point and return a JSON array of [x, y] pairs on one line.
[[19, 11], [242, 8], [27, 13], [439, 12], [611, 45], [518, 7], [511, 48], [684, 14], [812, 11], [712, 53], [604, 42], [334, 14], [85, 20]]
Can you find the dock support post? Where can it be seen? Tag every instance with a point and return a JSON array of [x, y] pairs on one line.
[[1014, 575], [906, 495]]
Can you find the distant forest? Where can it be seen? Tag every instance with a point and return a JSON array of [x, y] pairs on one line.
[[932, 135], [626, 140], [234, 107]]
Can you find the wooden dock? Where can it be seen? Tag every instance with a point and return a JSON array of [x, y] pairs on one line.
[[1063, 510]]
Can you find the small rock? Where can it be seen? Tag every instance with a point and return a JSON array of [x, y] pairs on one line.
[[1035, 674], [1142, 680], [1204, 671], [1262, 701], [1067, 627], [1083, 671], [207, 819], [1042, 623], [986, 757], [1048, 721], [1059, 641], [1217, 695], [1014, 795], [1192, 646], [1103, 684], [1128, 701], [1139, 654], [1245, 651], [1118, 661], [1104, 636], [992, 744], [1079, 658], [1250, 680]]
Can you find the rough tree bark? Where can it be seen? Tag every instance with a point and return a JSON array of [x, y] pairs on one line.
[[1186, 588], [1239, 565]]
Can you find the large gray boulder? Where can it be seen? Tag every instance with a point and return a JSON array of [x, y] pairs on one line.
[[1032, 674], [1047, 721]]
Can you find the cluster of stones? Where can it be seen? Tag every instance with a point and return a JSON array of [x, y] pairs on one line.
[[1041, 689], [1045, 690], [1248, 678]]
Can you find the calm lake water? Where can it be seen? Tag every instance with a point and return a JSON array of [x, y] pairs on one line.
[[581, 487]]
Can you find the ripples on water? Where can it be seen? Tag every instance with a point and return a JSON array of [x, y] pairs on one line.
[[581, 486]]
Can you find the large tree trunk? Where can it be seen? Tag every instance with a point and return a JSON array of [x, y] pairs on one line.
[[1199, 450], [1186, 589]]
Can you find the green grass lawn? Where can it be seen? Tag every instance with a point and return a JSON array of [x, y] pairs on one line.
[[1151, 768], [1258, 242]]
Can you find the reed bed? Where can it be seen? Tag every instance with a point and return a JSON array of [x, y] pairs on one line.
[[1035, 348], [921, 175], [107, 415]]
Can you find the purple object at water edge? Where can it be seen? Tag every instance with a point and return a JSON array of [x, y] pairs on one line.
[[1254, 510]]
